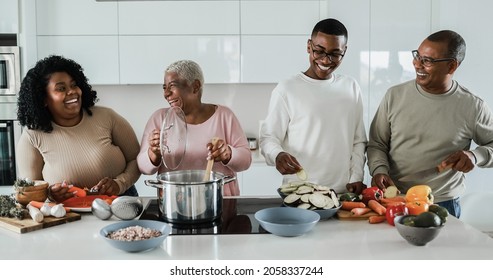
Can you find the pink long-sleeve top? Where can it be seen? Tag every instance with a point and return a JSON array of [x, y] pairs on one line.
[[223, 124]]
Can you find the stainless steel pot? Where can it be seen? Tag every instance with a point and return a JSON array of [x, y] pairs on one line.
[[184, 197]]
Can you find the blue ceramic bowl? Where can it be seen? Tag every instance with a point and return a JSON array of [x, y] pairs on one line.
[[139, 245], [287, 221]]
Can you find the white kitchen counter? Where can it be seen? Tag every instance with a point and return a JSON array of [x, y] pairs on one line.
[[330, 239]]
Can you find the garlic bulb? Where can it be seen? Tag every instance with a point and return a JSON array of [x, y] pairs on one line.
[[58, 211], [45, 209]]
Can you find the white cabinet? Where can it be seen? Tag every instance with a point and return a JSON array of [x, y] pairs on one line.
[[96, 54], [154, 34], [83, 30], [279, 17], [179, 17], [76, 17], [273, 38], [270, 59], [143, 59], [9, 17], [260, 180]]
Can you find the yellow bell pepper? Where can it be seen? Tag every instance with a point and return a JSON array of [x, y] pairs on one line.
[[419, 193]]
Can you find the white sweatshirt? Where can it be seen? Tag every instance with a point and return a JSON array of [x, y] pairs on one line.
[[320, 123]]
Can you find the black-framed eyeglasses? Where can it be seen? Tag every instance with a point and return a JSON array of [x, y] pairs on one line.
[[319, 54], [428, 61]]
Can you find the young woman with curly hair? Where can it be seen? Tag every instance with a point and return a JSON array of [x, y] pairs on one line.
[[68, 139]]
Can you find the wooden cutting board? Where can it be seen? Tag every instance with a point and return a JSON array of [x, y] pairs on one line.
[[346, 215], [28, 224]]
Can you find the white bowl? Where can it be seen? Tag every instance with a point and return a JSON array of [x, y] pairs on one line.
[[139, 245], [287, 221]]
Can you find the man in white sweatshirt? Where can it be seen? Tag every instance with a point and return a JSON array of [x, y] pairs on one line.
[[315, 118], [431, 121]]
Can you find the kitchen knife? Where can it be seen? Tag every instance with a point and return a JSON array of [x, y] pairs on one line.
[[423, 175]]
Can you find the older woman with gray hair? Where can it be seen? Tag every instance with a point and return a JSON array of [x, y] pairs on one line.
[[183, 87]]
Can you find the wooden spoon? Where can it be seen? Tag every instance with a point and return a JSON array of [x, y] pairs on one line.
[[207, 173]]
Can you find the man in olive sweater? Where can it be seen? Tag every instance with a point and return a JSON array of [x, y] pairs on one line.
[[431, 121]]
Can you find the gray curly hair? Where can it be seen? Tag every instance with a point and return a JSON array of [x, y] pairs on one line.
[[188, 70]]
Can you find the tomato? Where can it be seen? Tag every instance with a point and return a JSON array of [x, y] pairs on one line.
[[394, 210], [373, 193], [417, 207]]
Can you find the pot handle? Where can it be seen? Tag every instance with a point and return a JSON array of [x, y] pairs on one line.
[[154, 183], [228, 179]]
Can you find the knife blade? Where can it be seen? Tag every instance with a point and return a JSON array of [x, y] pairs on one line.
[[423, 175]]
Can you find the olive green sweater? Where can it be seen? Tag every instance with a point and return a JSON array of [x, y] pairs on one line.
[[413, 130]]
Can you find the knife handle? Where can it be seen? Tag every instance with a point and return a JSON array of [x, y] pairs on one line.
[[441, 168]]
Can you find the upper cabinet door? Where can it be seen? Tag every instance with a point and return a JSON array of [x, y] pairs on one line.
[[270, 59], [76, 17], [143, 59], [279, 17], [9, 20], [96, 54], [179, 17]]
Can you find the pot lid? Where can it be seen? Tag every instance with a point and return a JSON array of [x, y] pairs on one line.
[[173, 138]]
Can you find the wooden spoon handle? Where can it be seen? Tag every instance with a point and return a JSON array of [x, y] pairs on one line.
[[208, 169]]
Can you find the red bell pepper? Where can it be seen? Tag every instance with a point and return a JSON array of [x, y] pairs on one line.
[[372, 193], [394, 210]]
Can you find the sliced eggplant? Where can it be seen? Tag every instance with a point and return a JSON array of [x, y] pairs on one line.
[[329, 203], [318, 200], [333, 196], [292, 198], [321, 188], [305, 198], [304, 190]]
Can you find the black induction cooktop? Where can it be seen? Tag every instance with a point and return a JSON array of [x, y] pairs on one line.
[[237, 217]]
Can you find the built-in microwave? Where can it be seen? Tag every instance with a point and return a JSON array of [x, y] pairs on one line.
[[9, 81]]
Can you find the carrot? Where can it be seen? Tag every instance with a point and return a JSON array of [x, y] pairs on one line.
[[376, 219], [38, 205], [387, 200], [348, 205], [377, 207], [358, 211]]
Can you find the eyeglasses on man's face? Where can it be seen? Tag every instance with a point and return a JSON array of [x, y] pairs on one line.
[[428, 61], [319, 54]]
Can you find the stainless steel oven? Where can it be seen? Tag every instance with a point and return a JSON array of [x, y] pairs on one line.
[[10, 132], [10, 81]]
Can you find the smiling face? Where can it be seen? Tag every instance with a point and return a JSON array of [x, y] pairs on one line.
[[63, 99], [436, 78], [179, 93], [321, 67]]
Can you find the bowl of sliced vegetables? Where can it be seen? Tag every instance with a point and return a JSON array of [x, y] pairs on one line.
[[310, 196], [287, 221]]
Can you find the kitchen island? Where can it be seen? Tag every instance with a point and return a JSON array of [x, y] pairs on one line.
[[331, 239]]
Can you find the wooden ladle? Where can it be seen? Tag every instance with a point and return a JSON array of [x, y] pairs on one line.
[[210, 162]]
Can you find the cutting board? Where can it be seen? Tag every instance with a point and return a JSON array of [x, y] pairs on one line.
[[28, 224], [346, 215]]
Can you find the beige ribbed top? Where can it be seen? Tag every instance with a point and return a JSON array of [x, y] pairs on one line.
[[101, 145]]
